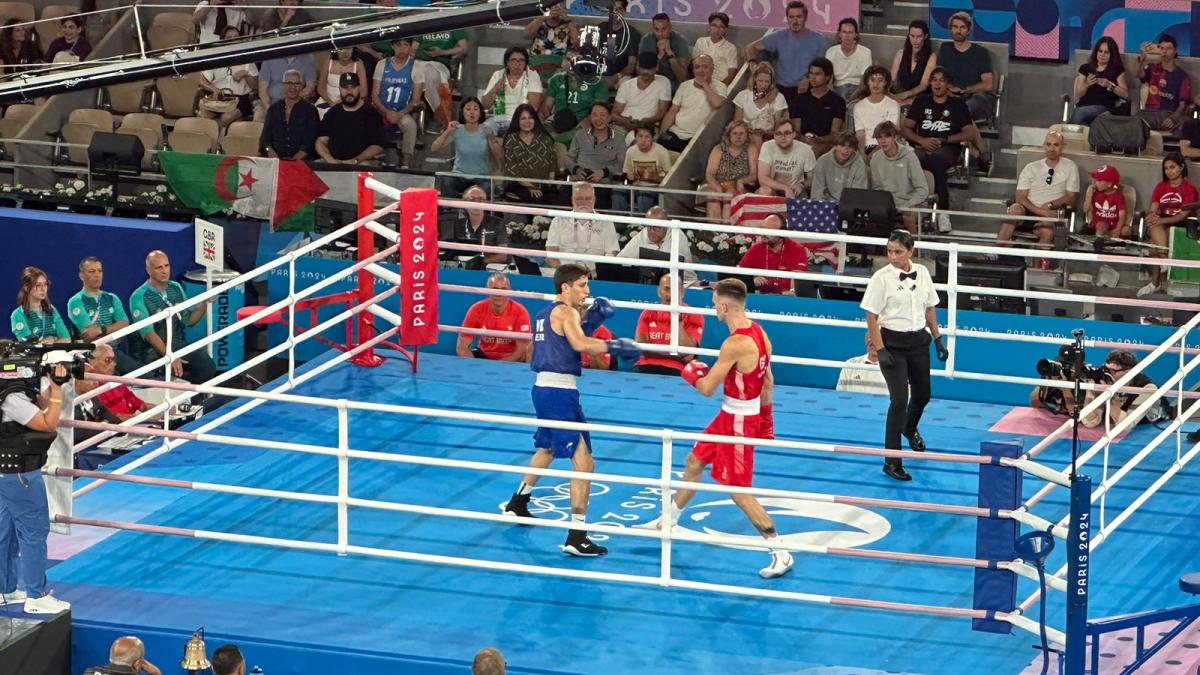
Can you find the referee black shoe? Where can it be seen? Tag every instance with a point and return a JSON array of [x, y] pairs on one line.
[[518, 505], [915, 442], [580, 546], [897, 472]]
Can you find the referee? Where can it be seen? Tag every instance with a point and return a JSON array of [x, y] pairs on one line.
[[900, 303]]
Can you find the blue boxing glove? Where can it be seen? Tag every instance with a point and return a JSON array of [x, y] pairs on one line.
[[942, 352], [624, 348], [600, 310]]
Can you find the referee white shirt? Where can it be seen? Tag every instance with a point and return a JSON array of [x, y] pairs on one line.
[[898, 299]]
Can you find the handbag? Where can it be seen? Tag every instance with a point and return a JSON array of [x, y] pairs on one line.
[[222, 102], [1115, 133]]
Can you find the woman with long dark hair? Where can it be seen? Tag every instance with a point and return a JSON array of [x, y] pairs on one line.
[[901, 307], [18, 47], [471, 139], [1171, 193], [35, 319], [528, 152], [1100, 85], [912, 65]]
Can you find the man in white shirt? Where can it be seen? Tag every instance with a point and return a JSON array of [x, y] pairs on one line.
[[723, 52], [643, 99], [1044, 186], [693, 104], [579, 235], [654, 237], [850, 59], [875, 108], [211, 18], [785, 167]]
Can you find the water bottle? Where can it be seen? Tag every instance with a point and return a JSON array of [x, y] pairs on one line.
[[498, 108]]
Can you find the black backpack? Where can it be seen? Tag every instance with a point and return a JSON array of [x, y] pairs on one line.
[[1111, 133]]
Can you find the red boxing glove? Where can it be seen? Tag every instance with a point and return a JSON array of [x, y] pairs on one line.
[[693, 371], [766, 422]]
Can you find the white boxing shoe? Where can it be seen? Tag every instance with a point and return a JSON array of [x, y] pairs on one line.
[[672, 518], [781, 564]]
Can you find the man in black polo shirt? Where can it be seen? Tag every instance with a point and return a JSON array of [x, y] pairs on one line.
[[819, 113], [352, 131]]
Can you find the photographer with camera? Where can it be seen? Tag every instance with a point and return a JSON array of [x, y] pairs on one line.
[[27, 428], [1057, 400], [1061, 400]]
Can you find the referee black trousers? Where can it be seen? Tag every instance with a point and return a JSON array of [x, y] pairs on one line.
[[907, 382]]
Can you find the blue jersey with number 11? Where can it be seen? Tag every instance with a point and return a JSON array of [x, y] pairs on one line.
[[552, 353], [396, 85]]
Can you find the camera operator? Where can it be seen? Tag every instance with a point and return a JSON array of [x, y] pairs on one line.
[[1060, 400], [1122, 404], [1055, 399], [24, 512]]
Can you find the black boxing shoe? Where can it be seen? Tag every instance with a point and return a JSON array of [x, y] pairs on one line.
[[518, 505], [915, 442], [580, 546], [897, 472]]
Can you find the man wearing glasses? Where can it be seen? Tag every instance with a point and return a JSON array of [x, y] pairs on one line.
[[1043, 187], [785, 168], [292, 124]]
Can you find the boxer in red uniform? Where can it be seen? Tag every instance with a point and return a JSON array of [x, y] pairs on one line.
[[744, 366]]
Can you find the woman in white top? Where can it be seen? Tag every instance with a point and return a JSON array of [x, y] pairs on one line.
[[850, 59], [760, 105], [901, 314], [328, 80], [509, 87], [874, 107], [238, 80]]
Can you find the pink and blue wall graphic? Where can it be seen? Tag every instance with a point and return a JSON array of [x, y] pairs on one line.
[[1054, 29]]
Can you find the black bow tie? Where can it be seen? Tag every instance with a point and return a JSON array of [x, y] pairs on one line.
[[911, 275]]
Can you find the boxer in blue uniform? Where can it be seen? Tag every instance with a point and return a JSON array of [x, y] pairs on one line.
[[561, 332]]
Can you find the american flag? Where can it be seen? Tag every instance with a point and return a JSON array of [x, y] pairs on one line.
[[809, 215]]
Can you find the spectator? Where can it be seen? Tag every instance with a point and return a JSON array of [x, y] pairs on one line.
[[843, 168], [646, 164], [655, 238], [271, 75], [1166, 202], [623, 43], [528, 152], [643, 100], [597, 155], [1189, 139], [937, 126], [35, 319], [228, 660], [436, 53], [212, 18], [292, 123], [552, 34], [510, 87], [654, 327], [581, 235], [1170, 87], [71, 46], [120, 401], [569, 98], [472, 149], [785, 168], [157, 294], [774, 253], [598, 361], [92, 410], [95, 312], [17, 50], [238, 81], [1100, 85], [497, 313], [969, 68], [351, 133], [723, 52], [897, 170], [849, 58], [874, 107], [912, 65], [1044, 186], [793, 51], [692, 105], [25, 523], [399, 86], [476, 226], [669, 48], [127, 655], [329, 81], [1104, 204], [286, 15], [760, 105], [488, 662], [732, 168], [819, 113]]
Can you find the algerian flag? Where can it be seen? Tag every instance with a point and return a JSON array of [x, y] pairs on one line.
[[281, 192]]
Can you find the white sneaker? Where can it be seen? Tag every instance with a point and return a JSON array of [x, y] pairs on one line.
[[1147, 289], [13, 598], [47, 604], [781, 564]]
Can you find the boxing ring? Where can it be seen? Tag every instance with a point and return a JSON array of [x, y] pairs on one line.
[[347, 513]]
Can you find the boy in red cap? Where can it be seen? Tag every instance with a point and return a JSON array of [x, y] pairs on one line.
[[1104, 204]]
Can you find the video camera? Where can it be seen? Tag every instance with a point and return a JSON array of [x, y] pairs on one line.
[[590, 61], [22, 364], [1063, 367]]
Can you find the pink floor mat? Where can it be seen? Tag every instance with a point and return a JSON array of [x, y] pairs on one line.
[[1040, 423]]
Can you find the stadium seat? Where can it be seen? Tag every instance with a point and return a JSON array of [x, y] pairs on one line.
[[194, 134], [1075, 136], [149, 128], [101, 119], [178, 96], [47, 26], [129, 97], [15, 118], [82, 124], [171, 29], [23, 11], [241, 138]]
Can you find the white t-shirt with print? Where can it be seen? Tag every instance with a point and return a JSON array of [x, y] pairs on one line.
[[787, 167]]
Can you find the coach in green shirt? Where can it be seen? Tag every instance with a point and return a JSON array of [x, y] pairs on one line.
[[94, 313], [158, 293]]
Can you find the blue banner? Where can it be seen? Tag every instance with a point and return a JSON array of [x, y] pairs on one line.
[[230, 350]]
